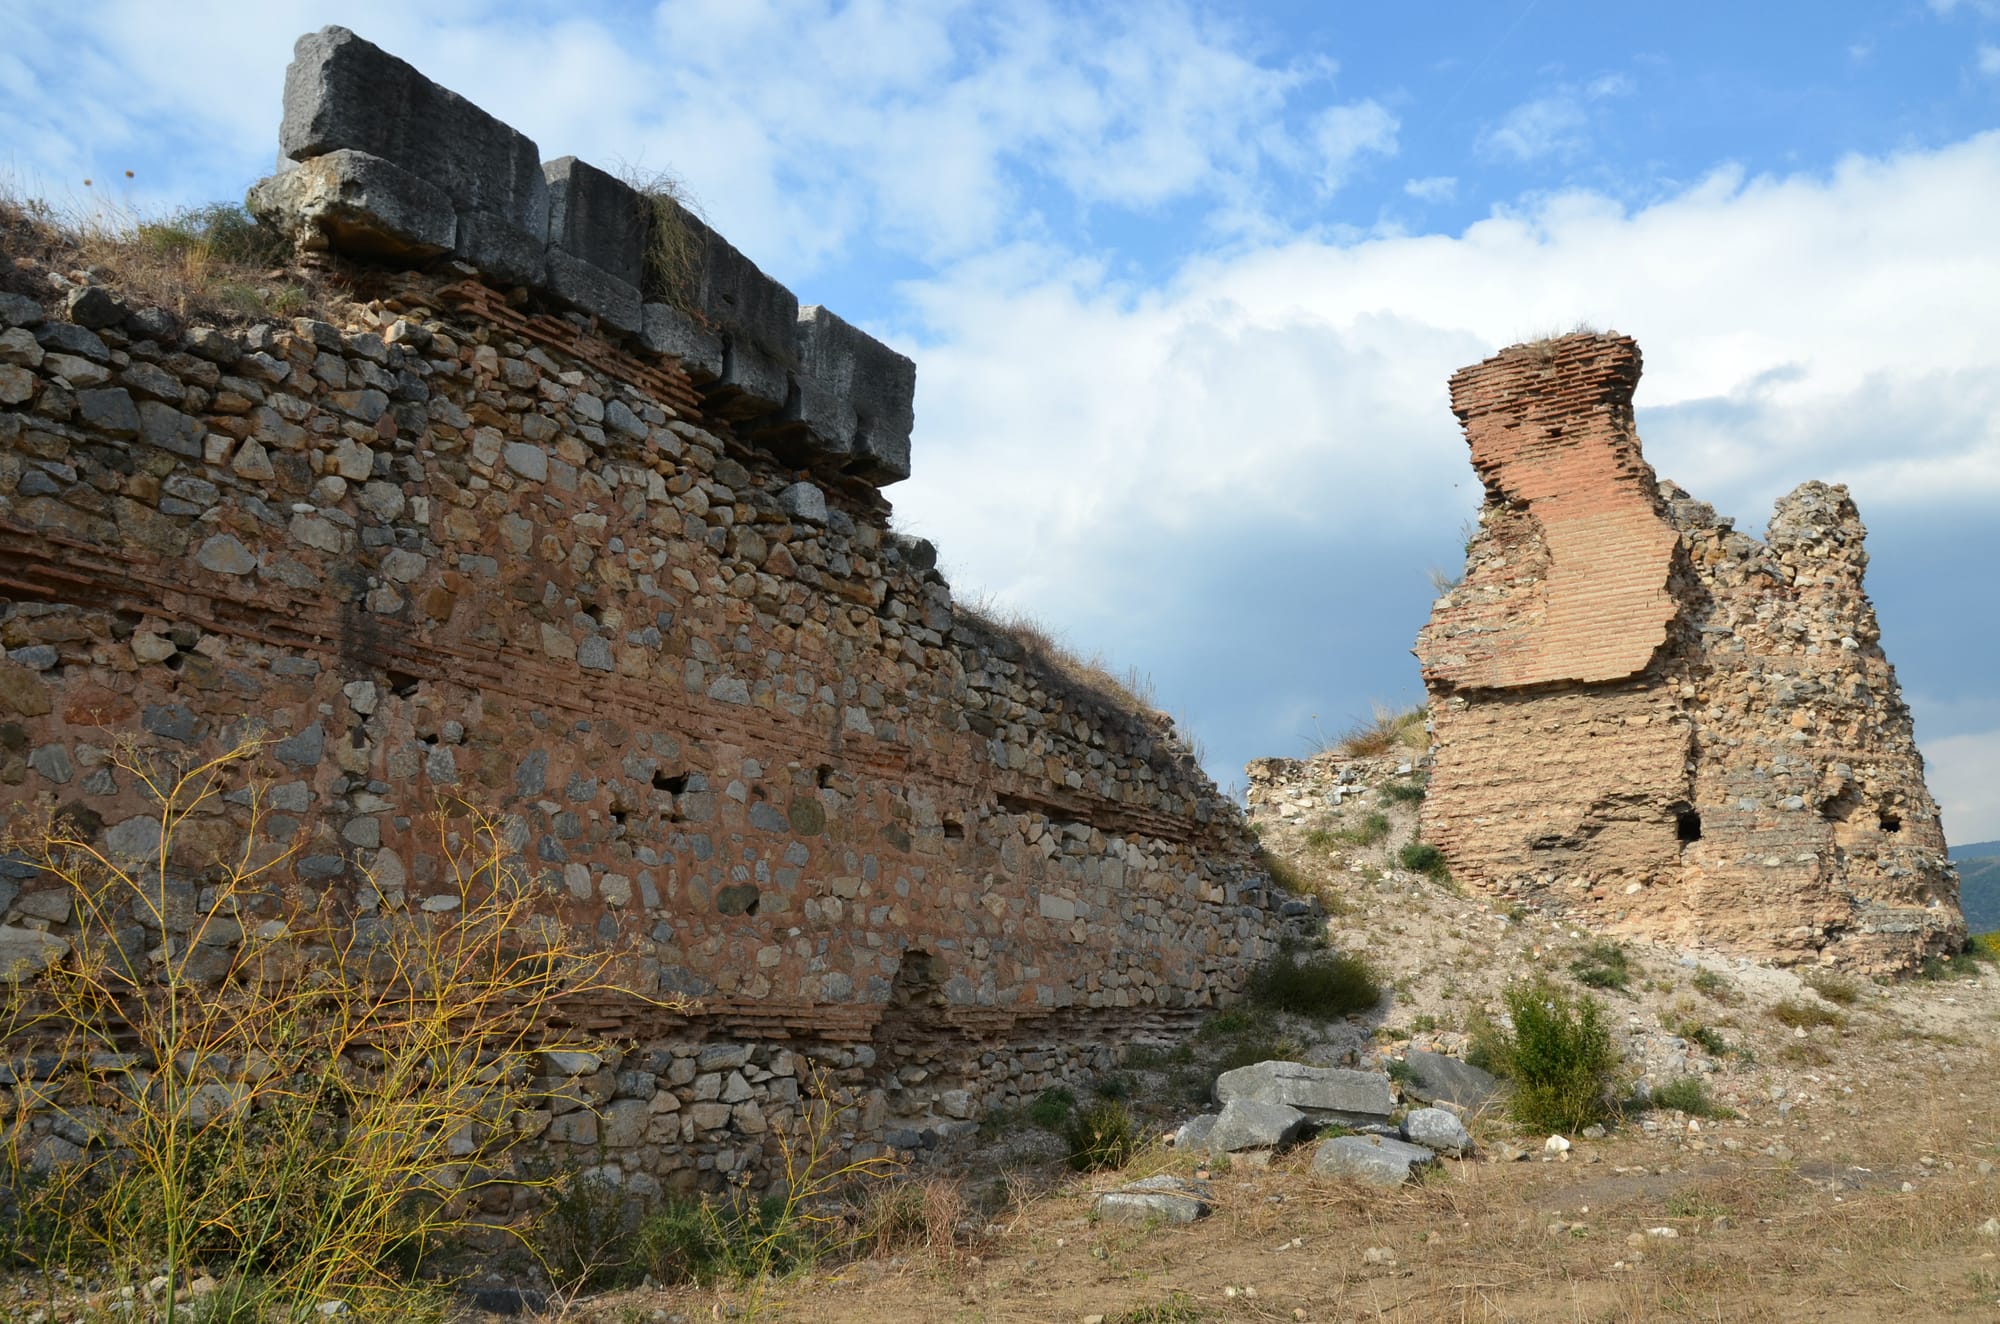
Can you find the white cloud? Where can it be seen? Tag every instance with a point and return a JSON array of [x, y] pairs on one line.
[[1345, 134], [1963, 772], [1989, 61], [1089, 450], [1557, 124], [1434, 188]]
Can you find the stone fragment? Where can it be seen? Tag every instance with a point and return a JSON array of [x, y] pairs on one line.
[[597, 238], [353, 202], [1437, 1078], [804, 501], [1335, 1094], [529, 461], [109, 410], [665, 329], [1439, 1130], [17, 385], [1376, 1160], [27, 952], [19, 310], [1253, 1124], [94, 307], [1161, 1199], [225, 555]]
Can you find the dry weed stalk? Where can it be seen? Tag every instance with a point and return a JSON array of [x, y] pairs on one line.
[[225, 1074]]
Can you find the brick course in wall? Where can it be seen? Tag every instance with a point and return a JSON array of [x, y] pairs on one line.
[[1659, 723], [487, 544]]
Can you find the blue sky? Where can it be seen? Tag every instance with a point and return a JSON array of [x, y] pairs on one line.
[[1184, 281]]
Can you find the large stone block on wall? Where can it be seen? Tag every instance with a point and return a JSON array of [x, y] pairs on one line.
[[344, 92], [360, 204], [755, 316], [856, 395], [597, 239], [666, 329]]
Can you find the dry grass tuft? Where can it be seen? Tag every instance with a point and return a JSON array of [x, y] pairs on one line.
[[212, 263], [1130, 689], [1385, 731]]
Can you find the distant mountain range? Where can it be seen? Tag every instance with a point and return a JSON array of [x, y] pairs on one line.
[[1979, 884]]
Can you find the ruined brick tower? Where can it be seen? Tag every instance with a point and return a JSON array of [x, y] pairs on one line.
[[1658, 723]]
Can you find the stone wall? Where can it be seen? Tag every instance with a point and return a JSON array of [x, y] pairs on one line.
[[1660, 723], [485, 544]]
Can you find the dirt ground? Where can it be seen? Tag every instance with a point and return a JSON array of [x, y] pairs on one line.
[[1855, 1181]]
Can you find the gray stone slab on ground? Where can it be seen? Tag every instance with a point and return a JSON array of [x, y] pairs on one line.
[[1254, 1124], [1439, 1130], [855, 394], [1193, 1133], [360, 204], [1334, 1094], [1372, 1159], [344, 92], [1155, 1199], [1441, 1079]]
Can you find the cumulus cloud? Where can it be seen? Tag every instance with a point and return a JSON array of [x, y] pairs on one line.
[[1345, 134], [1989, 61]]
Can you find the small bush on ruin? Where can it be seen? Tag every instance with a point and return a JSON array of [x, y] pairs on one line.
[[298, 1099], [1101, 1136], [1688, 1094], [1835, 988], [1558, 1055], [1406, 791], [1805, 1015], [1177, 1308], [1713, 986], [1052, 1108], [1422, 857], [585, 1237], [1322, 985], [1959, 965], [1371, 829], [1386, 731], [1602, 965]]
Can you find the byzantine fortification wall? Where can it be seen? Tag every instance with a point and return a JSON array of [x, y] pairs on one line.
[[609, 558], [1659, 723]]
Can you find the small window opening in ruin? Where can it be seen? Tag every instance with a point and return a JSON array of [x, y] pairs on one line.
[[1891, 820], [954, 830], [823, 776], [621, 816], [1687, 824], [673, 785], [402, 684], [174, 660]]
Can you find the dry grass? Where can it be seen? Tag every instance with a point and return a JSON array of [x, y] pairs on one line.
[[1129, 689], [1385, 731], [212, 263]]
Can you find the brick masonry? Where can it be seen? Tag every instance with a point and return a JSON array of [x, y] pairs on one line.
[[1659, 723], [494, 546]]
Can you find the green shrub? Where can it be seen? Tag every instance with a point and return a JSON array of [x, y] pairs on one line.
[[1558, 1055], [1712, 985], [1406, 792], [1710, 1039], [1101, 1136], [1319, 838], [1984, 947], [1960, 965], [1689, 1095], [222, 231], [585, 1237], [1601, 965], [1178, 1308], [1834, 988], [1321, 985], [1052, 1108], [1114, 1087], [1371, 829], [1421, 857], [1807, 1015]]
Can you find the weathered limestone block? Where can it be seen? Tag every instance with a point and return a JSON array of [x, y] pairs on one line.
[[755, 316], [597, 237], [855, 394], [1377, 1160], [1328, 1094], [344, 92], [358, 204]]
